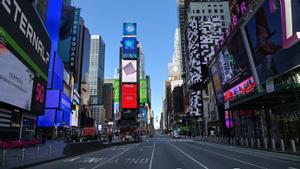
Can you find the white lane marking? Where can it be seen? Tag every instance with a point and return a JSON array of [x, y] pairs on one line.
[[110, 159], [235, 159], [71, 160], [292, 168], [151, 160], [189, 156], [178, 168], [247, 152]]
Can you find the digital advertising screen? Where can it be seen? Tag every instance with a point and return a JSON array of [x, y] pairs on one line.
[[129, 45], [217, 81], [129, 71], [52, 101], [143, 91], [16, 80], [129, 96], [14, 29], [291, 22], [235, 65], [241, 89], [129, 28], [116, 90], [144, 114], [48, 119], [265, 34]]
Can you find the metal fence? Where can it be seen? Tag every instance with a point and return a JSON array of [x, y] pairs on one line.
[[11, 158]]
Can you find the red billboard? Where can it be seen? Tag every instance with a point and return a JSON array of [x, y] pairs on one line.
[[129, 96]]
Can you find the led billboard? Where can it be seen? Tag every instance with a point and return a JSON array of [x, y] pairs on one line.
[[234, 66], [129, 71], [129, 28], [24, 34], [265, 34], [217, 81], [116, 90], [144, 114], [143, 91], [129, 96], [129, 46], [16, 80]]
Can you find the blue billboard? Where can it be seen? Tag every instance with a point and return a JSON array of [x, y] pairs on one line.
[[144, 114], [129, 45], [129, 29]]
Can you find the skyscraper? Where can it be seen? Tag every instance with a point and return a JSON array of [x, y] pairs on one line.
[[96, 77]]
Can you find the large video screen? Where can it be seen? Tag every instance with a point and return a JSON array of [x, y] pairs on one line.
[[235, 65], [129, 28], [143, 91], [16, 80], [129, 71], [265, 34], [129, 45], [116, 90], [217, 81], [129, 96]]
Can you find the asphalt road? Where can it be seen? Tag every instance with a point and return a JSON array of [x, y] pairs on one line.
[[162, 152]]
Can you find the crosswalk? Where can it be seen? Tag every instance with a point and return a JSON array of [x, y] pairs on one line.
[[170, 140]]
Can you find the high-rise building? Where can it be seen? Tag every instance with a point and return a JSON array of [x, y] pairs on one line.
[[96, 69], [96, 77]]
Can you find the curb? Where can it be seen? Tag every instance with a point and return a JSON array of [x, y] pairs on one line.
[[39, 163]]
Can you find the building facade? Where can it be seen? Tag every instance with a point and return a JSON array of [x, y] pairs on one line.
[[96, 77]]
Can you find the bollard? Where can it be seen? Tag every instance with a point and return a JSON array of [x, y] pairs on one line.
[[246, 142], [293, 146], [3, 158], [273, 144], [265, 143], [37, 152], [252, 142], [258, 143], [22, 155], [282, 145], [231, 141], [242, 142], [49, 151]]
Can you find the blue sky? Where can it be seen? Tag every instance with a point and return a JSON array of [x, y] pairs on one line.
[[156, 21]]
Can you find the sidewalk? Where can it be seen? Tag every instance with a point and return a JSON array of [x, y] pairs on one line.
[[52, 149], [254, 151]]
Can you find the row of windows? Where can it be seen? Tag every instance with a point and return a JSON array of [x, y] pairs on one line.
[[209, 11]]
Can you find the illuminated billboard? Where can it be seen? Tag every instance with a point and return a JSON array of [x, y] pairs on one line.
[[196, 107], [267, 39], [16, 80], [116, 90], [129, 96], [32, 47], [217, 81], [129, 46], [129, 71], [143, 91], [129, 28]]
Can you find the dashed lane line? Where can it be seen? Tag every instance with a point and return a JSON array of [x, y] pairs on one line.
[[152, 155], [202, 165]]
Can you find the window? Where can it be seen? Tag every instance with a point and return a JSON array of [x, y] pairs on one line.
[[222, 17], [198, 11], [221, 10], [216, 11], [203, 11], [209, 11]]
